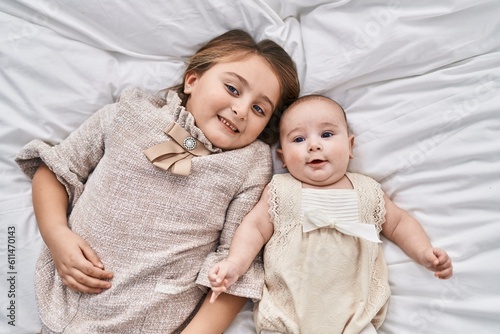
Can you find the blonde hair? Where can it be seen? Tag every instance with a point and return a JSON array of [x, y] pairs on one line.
[[236, 45]]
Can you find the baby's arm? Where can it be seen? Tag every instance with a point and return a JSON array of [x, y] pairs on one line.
[[408, 234], [77, 264], [249, 238]]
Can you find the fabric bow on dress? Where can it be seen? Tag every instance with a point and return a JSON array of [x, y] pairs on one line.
[[176, 153], [316, 219]]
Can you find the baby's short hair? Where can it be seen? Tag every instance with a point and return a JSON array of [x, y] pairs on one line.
[[313, 97]]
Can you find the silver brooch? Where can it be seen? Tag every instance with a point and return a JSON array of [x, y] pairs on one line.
[[189, 143]]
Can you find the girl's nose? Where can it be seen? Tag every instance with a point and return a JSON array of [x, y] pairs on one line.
[[241, 110]]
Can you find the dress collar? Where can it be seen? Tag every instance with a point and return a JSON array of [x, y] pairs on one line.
[[186, 120]]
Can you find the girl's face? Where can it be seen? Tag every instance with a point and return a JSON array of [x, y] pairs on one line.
[[315, 143], [232, 102]]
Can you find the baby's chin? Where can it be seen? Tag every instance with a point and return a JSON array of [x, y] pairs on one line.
[[325, 183]]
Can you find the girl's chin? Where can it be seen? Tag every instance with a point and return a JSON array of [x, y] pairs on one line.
[[226, 144], [230, 141]]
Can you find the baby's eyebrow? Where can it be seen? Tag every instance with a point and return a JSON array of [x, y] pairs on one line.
[[329, 124], [293, 131], [245, 83]]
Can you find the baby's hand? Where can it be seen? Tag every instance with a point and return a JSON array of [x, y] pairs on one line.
[[221, 277], [437, 260]]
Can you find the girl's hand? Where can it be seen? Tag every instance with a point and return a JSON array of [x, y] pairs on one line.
[[221, 277], [77, 264], [437, 260]]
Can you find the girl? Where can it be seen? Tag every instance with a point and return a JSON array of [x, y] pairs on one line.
[[324, 267], [138, 203]]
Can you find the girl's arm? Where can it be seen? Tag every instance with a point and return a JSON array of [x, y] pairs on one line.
[[214, 318], [77, 264], [409, 235], [252, 234]]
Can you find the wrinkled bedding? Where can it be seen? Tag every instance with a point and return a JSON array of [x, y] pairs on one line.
[[420, 82]]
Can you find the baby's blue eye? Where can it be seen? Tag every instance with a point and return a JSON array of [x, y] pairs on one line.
[[298, 139], [232, 90], [326, 135], [258, 109]]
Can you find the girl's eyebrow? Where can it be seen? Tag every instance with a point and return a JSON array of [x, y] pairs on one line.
[[244, 82]]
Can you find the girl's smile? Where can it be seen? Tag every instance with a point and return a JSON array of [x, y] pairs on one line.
[[232, 102], [227, 123]]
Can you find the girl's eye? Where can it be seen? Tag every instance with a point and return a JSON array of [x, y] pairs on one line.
[[298, 139], [232, 90], [326, 135], [258, 109]]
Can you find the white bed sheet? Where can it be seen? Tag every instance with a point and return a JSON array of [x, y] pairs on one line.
[[420, 82]]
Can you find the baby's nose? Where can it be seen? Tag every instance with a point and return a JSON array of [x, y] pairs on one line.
[[314, 146]]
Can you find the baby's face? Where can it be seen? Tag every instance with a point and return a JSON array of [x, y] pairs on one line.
[[315, 142]]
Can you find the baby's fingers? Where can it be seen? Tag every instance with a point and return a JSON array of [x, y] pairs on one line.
[[439, 262], [444, 273], [441, 255], [216, 276], [216, 292], [444, 270], [214, 296], [213, 277]]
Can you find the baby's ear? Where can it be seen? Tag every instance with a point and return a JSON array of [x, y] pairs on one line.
[[279, 153], [351, 146]]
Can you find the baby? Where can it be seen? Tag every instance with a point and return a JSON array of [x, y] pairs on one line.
[[324, 267]]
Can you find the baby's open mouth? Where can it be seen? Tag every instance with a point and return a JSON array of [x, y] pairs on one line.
[[316, 161], [228, 124]]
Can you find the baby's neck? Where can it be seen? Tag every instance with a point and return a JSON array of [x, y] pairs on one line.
[[342, 183]]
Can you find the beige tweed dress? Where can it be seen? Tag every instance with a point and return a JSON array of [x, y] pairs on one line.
[[159, 233]]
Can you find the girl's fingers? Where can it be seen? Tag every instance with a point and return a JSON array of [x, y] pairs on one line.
[[91, 256], [97, 273], [86, 278], [91, 281], [94, 287]]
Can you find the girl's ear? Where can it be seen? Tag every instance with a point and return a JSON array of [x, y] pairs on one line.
[[279, 153], [189, 81], [351, 145]]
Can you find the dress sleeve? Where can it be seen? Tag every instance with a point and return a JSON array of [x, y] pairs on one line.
[[74, 159], [258, 174]]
